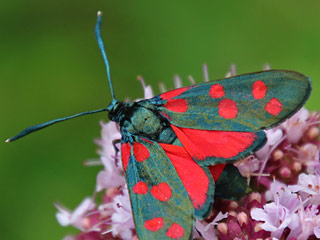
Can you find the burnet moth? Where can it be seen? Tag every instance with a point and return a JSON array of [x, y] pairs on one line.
[[177, 147]]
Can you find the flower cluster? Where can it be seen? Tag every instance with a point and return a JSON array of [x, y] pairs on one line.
[[284, 176]]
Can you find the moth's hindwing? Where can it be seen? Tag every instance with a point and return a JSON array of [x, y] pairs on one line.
[[247, 103], [210, 147], [231, 184], [160, 204], [197, 180]]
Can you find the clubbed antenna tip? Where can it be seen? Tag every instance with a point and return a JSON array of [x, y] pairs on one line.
[[8, 140]]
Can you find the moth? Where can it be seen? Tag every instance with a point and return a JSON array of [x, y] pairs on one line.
[[177, 147]]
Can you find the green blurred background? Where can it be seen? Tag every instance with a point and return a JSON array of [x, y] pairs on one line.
[[50, 67]]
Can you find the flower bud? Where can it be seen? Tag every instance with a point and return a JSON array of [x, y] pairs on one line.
[[285, 172], [258, 228], [277, 154], [255, 196], [296, 166], [242, 218], [223, 228], [313, 133], [233, 205], [232, 213]]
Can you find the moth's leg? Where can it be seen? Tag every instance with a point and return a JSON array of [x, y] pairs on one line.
[[116, 149]]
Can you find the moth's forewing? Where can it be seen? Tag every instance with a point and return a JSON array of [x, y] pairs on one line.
[[248, 102], [160, 203]]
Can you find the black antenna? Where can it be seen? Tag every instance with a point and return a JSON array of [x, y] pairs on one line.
[[47, 124], [102, 50], [105, 59]]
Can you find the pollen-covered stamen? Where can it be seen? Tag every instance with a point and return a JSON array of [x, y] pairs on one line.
[[123, 207]]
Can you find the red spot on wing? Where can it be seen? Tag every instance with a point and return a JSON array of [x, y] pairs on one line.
[[154, 224], [227, 108], [193, 177], [216, 91], [274, 107], [162, 192], [173, 93], [125, 154], [140, 188], [259, 89], [216, 170], [140, 152], [176, 105], [175, 231], [202, 144]]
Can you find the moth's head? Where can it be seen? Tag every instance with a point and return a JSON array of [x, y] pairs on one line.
[[115, 110]]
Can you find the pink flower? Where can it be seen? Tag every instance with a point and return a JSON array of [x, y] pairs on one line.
[[232, 71], [111, 176], [122, 220], [274, 138], [109, 133], [207, 230], [147, 90], [309, 156], [308, 187], [239, 225], [296, 126], [276, 218], [281, 213], [108, 214], [310, 220], [76, 218], [247, 166], [281, 194]]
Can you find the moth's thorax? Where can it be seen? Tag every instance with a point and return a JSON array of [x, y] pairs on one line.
[[140, 118]]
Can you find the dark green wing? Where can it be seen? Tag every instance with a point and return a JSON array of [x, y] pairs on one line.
[[160, 204], [248, 102]]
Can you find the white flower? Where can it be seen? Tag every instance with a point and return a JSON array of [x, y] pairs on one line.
[[207, 230], [276, 218], [296, 126], [308, 187], [76, 218], [122, 220], [310, 221]]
